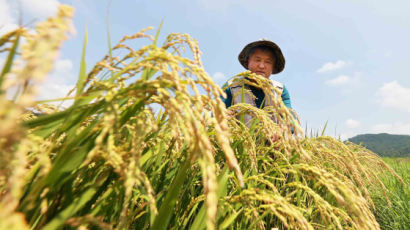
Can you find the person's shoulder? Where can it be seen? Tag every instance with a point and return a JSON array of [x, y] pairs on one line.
[[285, 89], [277, 84], [233, 82], [226, 85]]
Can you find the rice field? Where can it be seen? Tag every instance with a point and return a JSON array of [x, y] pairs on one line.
[[148, 144]]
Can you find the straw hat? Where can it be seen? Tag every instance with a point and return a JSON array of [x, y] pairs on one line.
[[279, 59]]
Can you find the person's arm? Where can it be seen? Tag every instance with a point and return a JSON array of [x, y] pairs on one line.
[[286, 98], [228, 99]]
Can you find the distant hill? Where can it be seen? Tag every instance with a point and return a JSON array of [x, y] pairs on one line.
[[386, 145]]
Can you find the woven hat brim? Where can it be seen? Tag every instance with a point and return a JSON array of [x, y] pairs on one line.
[[277, 52]]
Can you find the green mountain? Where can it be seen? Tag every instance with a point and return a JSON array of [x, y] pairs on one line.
[[386, 145]]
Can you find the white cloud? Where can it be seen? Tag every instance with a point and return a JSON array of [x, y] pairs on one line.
[[352, 123], [394, 95], [58, 83], [40, 9], [5, 28], [346, 135], [7, 21], [395, 128], [37, 10], [5, 16], [219, 77], [331, 66], [341, 80], [51, 90], [63, 66]]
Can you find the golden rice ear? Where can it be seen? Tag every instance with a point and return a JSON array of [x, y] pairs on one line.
[[37, 55]]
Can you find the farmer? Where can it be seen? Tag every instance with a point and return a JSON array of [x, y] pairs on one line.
[[264, 58]]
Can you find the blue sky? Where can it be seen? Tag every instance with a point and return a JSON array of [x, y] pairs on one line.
[[347, 62]]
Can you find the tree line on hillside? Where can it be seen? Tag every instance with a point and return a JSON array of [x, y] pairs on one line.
[[385, 145]]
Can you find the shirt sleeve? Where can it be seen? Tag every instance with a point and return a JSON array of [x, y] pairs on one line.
[[286, 97], [286, 100], [228, 99]]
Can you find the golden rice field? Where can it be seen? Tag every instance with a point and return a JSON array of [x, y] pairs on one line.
[[148, 144]]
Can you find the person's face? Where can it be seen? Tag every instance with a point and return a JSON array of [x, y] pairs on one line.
[[261, 62]]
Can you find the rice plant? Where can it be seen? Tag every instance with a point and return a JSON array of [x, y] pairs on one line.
[[395, 213], [148, 144]]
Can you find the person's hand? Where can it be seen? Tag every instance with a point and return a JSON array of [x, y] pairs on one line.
[[275, 137], [230, 113]]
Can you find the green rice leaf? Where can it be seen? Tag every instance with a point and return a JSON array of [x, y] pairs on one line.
[[324, 128], [9, 60], [200, 219], [228, 221], [167, 207], [83, 68], [71, 210]]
